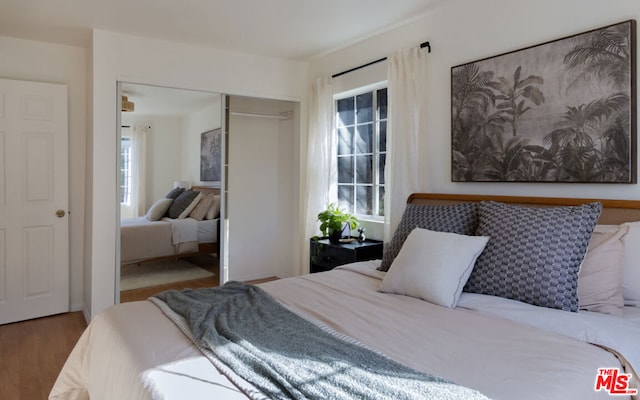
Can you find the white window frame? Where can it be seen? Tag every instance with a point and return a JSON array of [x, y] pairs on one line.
[[375, 153], [125, 170]]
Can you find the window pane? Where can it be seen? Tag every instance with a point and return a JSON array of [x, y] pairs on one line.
[[382, 103], [382, 136], [345, 140], [346, 111], [345, 198], [381, 163], [364, 169], [345, 169], [364, 105], [364, 200], [125, 169], [364, 139], [361, 151]]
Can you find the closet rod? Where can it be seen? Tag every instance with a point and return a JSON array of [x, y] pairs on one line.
[[422, 46], [248, 114]]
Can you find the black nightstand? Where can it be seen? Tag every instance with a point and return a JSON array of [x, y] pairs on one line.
[[325, 255]]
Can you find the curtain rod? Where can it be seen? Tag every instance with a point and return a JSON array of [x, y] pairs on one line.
[[129, 126], [284, 115], [422, 46]]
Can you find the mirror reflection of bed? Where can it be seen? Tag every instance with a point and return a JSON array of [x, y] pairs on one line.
[[167, 243], [172, 248]]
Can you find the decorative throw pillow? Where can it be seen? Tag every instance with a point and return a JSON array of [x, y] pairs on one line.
[[433, 266], [201, 209], [534, 253], [158, 209], [457, 218], [174, 193], [214, 210], [601, 273], [181, 203], [185, 213]]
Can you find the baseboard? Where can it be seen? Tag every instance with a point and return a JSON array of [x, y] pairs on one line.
[[87, 315]]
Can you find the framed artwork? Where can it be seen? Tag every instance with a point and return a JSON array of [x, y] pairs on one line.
[[211, 155], [561, 111]]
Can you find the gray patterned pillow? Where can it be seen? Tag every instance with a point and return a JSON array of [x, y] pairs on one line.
[[457, 218], [181, 203], [174, 193], [534, 254]]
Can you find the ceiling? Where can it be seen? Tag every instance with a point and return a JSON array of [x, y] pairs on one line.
[[293, 29], [157, 100]]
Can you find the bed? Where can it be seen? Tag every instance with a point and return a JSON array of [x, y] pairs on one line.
[[156, 236], [493, 345]]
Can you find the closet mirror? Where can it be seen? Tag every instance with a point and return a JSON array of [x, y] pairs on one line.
[[170, 181], [246, 150]]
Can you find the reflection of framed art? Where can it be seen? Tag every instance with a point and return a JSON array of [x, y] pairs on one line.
[[561, 111], [211, 155]]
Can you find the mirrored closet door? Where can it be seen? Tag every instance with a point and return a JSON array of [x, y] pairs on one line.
[[170, 183]]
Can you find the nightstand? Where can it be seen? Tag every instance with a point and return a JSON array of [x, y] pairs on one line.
[[325, 255]]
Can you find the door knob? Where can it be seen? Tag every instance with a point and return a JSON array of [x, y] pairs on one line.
[[60, 213]]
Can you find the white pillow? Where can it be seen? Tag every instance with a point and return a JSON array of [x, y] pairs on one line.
[[200, 211], [190, 208], [158, 209], [433, 266], [601, 274], [631, 280], [214, 210]]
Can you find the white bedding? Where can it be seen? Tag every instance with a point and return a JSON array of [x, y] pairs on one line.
[[618, 334], [632, 314], [142, 239], [470, 345], [191, 230]]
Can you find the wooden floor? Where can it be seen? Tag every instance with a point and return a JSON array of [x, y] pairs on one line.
[[33, 352]]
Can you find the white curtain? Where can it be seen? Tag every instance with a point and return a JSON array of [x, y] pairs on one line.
[[406, 133], [321, 163], [137, 200]]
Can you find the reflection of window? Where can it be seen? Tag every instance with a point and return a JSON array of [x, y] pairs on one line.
[[125, 170], [362, 147]]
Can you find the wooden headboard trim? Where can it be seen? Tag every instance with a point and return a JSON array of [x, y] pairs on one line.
[[206, 189], [550, 201], [614, 211]]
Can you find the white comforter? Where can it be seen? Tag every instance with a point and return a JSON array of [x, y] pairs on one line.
[[475, 345], [141, 239]]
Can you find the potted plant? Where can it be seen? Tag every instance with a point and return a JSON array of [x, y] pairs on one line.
[[333, 221]]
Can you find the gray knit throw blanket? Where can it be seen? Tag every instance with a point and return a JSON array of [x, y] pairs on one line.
[[286, 356]]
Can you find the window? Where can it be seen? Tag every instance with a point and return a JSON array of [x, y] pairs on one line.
[[125, 170], [361, 126]]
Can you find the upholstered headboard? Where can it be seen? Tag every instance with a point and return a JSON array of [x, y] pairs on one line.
[[614, 211]]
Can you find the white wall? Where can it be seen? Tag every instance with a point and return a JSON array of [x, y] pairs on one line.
[[139, 60], [461, 31], [43, 62], [263, 191]]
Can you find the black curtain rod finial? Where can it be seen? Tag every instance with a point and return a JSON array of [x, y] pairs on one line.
[[427, 45]]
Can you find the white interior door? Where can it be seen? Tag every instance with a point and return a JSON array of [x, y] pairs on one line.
[[34, 227]]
